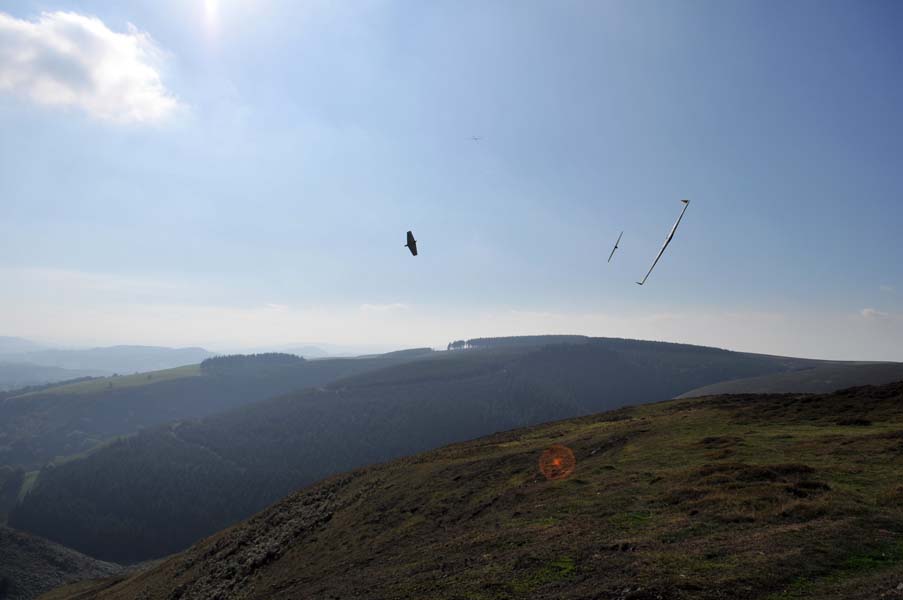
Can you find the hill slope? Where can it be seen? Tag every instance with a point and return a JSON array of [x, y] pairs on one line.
[[819, 379], [30, 566], [69, 419], [157, 492], [19, 375], [742, 497]]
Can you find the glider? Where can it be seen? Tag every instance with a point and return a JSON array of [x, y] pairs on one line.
[[475, 138], [667, 241], [412, 244], [615, 248]]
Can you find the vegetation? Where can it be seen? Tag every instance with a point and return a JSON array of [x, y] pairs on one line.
[[30, 566], [746, 497], [817, 379], [19, 375], [157, 492], [38, 427]]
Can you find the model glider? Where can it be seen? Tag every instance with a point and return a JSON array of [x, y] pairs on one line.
[[412, 244], [615, 248], [667, 241]]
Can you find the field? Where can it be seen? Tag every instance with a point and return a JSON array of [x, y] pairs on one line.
[[119, 382]]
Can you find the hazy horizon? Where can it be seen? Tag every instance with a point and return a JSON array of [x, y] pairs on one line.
[[234, 174]]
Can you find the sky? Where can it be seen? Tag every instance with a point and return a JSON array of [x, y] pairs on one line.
[[238, 173]]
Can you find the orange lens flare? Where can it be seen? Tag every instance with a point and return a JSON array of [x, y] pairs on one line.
[[557, 462]]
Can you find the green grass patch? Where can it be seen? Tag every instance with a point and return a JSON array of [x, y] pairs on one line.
[[853, 566], [557, 570], [121, 382], [31, 478]]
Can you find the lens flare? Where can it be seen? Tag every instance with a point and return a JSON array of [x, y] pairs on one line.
[[557, 462]]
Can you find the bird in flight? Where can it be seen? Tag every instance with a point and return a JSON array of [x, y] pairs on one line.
[[615, 248], [412, 244], [667, 241], [475, 138]]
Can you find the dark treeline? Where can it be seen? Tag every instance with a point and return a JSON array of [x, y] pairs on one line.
[[526, 340], [157, 492], [236, 364]]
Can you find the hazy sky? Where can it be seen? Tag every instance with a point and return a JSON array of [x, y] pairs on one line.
[[242, 173]]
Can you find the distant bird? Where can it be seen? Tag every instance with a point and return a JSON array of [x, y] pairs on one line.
[[615, 248], [412, 244], [667, 241], [475, 138]]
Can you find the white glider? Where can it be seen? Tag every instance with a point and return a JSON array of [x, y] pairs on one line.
[[615, 248], [667, 241]]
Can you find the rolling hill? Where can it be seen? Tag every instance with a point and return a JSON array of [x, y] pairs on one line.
[[19, 375], [772, 497], [108, 360], [155, 493], [30, 566], [818, 379], [39, 426]]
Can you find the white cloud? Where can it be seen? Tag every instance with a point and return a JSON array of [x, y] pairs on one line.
[[64, 59], [871, 313]]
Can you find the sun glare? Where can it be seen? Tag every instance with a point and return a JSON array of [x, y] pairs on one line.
[[211, 14]]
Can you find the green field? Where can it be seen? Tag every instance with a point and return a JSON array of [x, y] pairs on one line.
[[119, 382]]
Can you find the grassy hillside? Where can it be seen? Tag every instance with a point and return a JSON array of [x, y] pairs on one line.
[[15, 375], [30, 566], [41, 426], [105, 384], [157, 492], [745, 497], [819, 379]]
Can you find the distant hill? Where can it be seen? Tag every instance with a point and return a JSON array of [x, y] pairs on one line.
[[114, 359], [30, 566], [819, 379], [19, 375], [156, 492], [744, 497], [38, 426], [17, 345]]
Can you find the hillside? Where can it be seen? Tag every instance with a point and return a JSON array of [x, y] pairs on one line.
[[157, 492], [17, 345], [39, 426], [744, 497], [111, 359], [19, 375], [819, 379], [30, 566]]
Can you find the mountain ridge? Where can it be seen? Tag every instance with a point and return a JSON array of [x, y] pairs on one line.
[[227, 466]]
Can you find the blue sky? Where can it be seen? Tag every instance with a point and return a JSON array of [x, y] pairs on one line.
[[239, 174]]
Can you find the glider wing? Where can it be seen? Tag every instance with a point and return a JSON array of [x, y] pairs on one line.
[[667, 241], [615, 248]]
